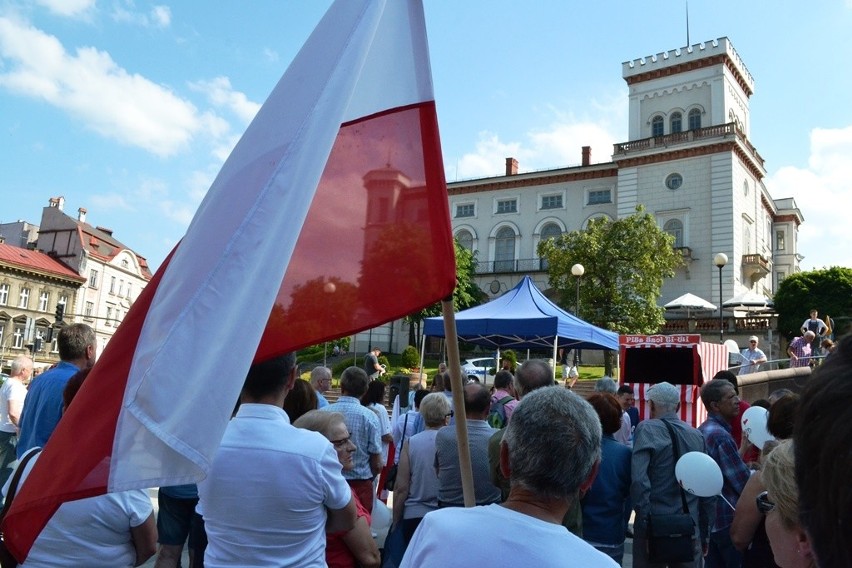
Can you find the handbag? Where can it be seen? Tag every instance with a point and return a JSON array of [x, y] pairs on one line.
[[390, 478], [671, 537], [6, 558]]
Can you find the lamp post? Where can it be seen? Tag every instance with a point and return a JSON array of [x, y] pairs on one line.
[[720, 260], [577, 270]]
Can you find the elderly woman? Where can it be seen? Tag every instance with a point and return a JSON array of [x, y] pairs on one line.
[[355, 547], [115, 529], [416, 491], [780, 504], [605, 504]]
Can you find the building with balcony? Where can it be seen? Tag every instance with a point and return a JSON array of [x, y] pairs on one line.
[[114, 274], [32, 285], [688, 160]]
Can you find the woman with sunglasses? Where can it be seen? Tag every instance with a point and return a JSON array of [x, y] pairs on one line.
[[355, 547], [780, 504]]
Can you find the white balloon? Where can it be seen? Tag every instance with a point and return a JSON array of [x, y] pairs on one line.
[[699, 474], [754, 426]]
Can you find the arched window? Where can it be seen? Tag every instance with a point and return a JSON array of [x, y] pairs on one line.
[[465, 239], [657, 126], [674, 227], [504, 250], [694, 119], [550, 231], [676, 122]]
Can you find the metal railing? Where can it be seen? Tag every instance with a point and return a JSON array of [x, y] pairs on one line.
[[524, 265]]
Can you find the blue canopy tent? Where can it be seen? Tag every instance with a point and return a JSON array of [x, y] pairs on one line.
[[523, 318]]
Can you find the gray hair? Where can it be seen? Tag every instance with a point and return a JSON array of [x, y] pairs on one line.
[[434, 409], [20, 363], [554, 441], [318, 374], [354, 381], [531, 375], [665, 397], [319, 421], [606, 384], [713, 391], [73, 341]]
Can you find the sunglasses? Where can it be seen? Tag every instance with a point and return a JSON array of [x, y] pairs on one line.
[[764, 505]]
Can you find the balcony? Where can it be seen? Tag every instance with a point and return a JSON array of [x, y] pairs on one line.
[[522, 265], [688, 137], [756, 266]]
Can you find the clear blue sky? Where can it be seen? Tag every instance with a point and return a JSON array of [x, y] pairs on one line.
[[128, 108]]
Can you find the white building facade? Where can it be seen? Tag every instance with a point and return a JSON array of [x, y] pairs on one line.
[[688, 161]]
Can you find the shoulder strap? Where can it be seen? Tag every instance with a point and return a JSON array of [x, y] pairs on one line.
[[505, 400], [675, 457], [16, 479], [404, 427]]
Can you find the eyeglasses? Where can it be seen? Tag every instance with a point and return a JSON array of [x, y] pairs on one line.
[[755, 342], [341, 442], [450, 414], [764, 505]]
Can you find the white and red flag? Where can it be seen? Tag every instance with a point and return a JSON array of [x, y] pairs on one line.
[[330, 216]]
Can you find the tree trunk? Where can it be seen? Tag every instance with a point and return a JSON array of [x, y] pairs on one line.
[[609, 364]]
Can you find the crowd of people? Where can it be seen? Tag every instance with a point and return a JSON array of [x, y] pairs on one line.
[[556, 478]]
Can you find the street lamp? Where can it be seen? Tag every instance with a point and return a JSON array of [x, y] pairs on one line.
[[720, 260], [578, 271]]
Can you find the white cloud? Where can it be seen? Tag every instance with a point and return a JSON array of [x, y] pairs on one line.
[[823, 195], [68, 8], [158, 17], [90, 86], [221, 94], [109, 202]]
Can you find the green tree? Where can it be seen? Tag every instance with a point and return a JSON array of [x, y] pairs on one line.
[[466, 294], [625, 263], [828, 290]]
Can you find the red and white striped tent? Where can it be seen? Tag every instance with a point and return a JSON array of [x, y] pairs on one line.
[[682, 360]]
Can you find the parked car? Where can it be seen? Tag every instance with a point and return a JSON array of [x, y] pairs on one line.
[[481, 369]]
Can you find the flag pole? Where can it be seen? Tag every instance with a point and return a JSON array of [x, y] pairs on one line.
[[454, 368]]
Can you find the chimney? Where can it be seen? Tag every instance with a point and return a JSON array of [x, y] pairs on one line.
[[511, 167], [58, 202], [587, 155], [81, 214]]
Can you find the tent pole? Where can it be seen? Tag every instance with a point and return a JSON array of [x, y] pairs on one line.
[[454, 368], [422, 355], [555, 354]]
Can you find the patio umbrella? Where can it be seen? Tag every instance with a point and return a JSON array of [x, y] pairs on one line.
[[748, 302], [689, 303]]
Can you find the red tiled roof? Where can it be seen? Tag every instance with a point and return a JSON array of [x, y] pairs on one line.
[[34, 260]]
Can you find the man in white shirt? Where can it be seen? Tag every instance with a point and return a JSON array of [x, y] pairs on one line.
[[752, 357], [273, 490], [12, 395], [550, 452]]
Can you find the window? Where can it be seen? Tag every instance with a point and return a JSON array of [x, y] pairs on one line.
[[129, 286], [465, 210], [747, 238], [507, 206], [18, 336], [779, 276], [120, 288], [598, 196], [745, 188], [90, 308], [550, 231], [504, 250], [465, 239], [42, 301], [657, 126], [674, 181], [108, 320], [694, 118], [124, 263], [551, 201], [4, 294], [779, 240], [24, 298], [676, 122], [93, 278], [112, 284], [63, 300], [674, 227]]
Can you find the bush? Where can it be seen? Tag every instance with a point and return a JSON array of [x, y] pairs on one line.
[[410, 357]]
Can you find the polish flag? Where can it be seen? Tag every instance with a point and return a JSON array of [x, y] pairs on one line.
[[330, 216]]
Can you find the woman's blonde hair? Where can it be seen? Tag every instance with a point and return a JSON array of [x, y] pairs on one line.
[[779, 477], [319, 421]]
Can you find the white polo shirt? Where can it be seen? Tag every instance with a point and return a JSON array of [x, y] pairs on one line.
[[264, 500]]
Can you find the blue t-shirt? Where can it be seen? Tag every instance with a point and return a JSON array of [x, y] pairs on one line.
[[43, 407]]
